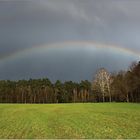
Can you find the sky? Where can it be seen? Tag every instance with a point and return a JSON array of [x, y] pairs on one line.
[[67, 39]]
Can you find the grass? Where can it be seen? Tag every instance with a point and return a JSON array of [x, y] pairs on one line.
[[89, 120]]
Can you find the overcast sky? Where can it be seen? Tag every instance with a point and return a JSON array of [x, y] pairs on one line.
[[26, 24]]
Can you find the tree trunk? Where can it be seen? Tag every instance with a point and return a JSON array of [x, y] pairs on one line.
[[127, 98], [22, 97], [34, 98], [110, 99], [103, 97]]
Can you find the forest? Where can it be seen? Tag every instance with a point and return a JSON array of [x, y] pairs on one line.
[[122, 86]]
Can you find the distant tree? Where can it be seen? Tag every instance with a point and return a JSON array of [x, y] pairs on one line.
[[134, 74], [109, 81], [85, 90], [102, 83]]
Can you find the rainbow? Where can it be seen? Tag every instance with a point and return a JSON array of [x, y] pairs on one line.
[[71, 43]]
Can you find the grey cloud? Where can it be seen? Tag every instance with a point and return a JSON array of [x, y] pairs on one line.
[[24, 24], [63, 64]]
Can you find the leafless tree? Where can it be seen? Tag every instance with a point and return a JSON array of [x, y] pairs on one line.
[[103, 82]]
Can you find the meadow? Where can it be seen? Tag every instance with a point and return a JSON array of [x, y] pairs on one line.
[[80, 120]]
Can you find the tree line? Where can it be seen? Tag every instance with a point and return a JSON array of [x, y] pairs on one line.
[[123, 86], [43, 91]]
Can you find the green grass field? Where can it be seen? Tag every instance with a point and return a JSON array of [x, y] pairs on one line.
[[89, 120]]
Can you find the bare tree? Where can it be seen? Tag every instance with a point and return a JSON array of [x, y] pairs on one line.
[[103, 82], [109, 81]]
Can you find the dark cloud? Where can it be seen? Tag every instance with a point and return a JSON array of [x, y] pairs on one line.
[[24, 24], [63, 63]]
